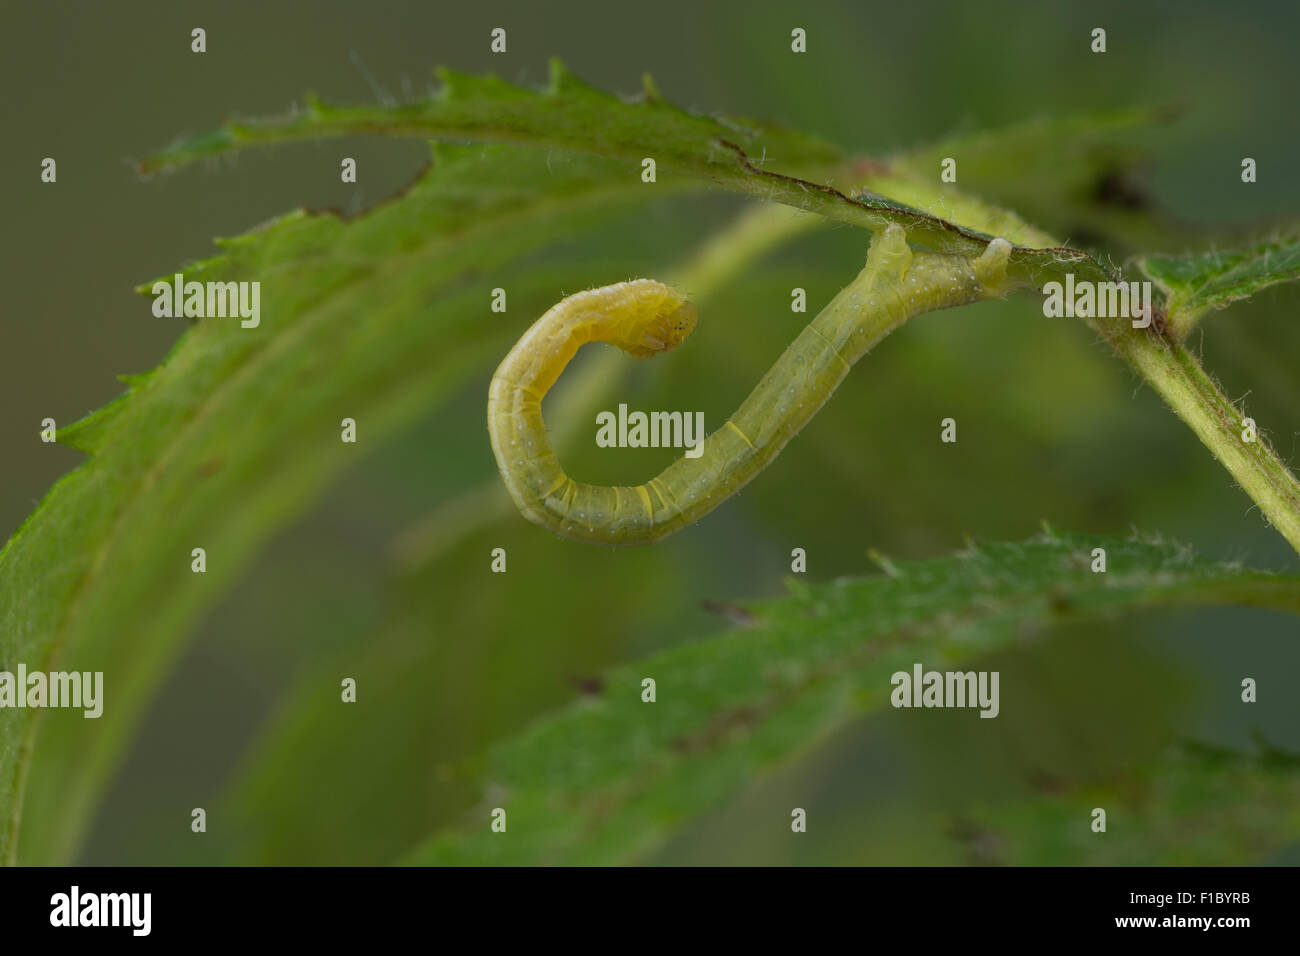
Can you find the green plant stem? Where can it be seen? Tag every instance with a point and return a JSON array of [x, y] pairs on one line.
[[1181, 322], [1174, 372]]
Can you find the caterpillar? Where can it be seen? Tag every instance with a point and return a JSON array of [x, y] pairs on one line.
[[644, 317]]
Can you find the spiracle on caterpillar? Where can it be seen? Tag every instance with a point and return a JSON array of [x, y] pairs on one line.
[[645, 317]]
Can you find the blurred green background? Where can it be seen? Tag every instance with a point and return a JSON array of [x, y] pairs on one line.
[[1051, 425]]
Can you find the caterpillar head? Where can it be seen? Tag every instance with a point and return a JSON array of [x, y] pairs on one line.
[[665, 327], [674, 326]]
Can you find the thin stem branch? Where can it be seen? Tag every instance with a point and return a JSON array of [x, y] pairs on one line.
[[1173, 371]]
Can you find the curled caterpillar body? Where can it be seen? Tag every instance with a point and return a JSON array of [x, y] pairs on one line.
[[645, 317]]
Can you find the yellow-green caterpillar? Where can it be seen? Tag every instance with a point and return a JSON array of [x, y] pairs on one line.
[[645, 317]]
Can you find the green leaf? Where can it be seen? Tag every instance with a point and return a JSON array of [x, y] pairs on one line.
[[378, 318], [611, 777], [1197, 805], [742, 155], [1202, 281], [1073, 149], [1071, 172]]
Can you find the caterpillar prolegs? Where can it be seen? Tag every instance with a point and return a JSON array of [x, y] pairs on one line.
[[644, 317]]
